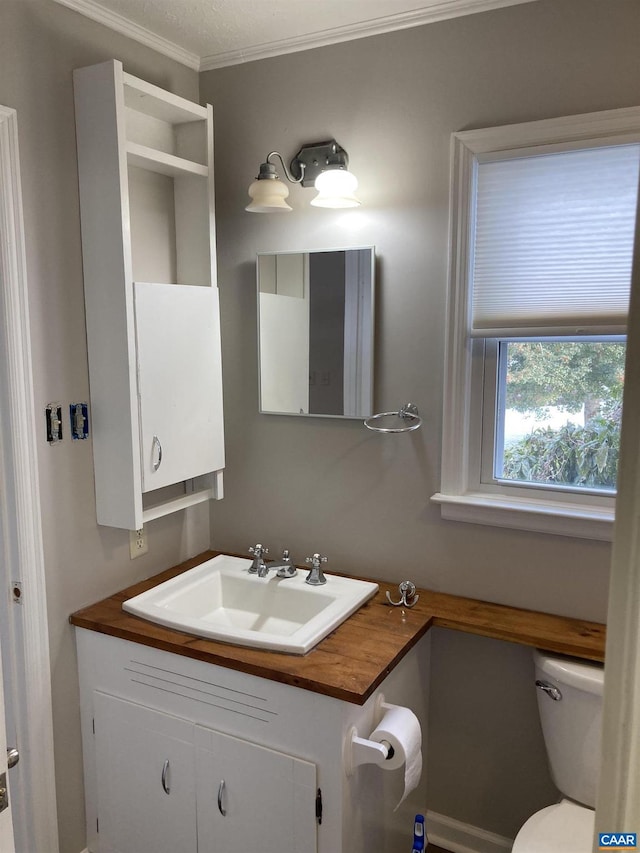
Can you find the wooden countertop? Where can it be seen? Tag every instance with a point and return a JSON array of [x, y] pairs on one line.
[[351, 662]]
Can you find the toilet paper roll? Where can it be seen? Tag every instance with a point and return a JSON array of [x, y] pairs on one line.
[[400, 728]]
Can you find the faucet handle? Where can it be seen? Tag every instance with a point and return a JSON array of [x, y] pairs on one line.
[[258, 566], [315, 576], [258, 550]]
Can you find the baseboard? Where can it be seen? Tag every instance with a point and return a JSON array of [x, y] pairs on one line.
[[457, 837], [461, 837]]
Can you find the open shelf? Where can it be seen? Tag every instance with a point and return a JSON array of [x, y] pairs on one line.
[[163, 163], [158, 103], [175, 504]]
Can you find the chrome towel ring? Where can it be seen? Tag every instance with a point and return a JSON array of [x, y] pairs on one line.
[[407, 412]]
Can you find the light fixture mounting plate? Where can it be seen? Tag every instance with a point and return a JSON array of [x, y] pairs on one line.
[[317, 157]]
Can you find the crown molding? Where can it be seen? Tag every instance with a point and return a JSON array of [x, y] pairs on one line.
[[93, 10], [436, 11]]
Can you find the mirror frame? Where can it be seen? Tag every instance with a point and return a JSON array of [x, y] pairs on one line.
[[370, 317]]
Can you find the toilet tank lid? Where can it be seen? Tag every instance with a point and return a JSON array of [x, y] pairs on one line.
[[581, 674]]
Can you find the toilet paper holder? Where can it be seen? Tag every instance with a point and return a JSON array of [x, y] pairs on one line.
[[360, 750]]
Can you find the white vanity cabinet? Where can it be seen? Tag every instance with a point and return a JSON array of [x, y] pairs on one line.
[[145, 162], [252, 798], [249, 763], [146, 769], [165, 784]]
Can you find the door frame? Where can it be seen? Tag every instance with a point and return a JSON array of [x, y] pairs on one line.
[[25, 636], [618, 806]]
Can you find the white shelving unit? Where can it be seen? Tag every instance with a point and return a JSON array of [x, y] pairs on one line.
[[145, 160]]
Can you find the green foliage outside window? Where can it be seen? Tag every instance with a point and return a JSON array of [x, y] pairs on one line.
[[575, 455], [571, 377]]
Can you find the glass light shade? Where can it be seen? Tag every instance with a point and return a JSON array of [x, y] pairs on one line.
[[268, 196], [336, 188]]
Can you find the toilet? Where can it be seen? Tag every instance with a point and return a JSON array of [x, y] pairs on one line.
[[570, 706]]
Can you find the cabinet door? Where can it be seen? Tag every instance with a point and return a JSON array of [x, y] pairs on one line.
[[179, 382], [145, 779], [252, 798]]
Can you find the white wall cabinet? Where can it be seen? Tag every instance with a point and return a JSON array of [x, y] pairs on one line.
[[274, 746], [177, 329], [145, 161]]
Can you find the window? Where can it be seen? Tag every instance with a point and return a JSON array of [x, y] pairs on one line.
[[558, 413], [542, 226]]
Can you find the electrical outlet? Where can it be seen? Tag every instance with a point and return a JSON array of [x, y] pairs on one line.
[[53, 415], [138, 544]]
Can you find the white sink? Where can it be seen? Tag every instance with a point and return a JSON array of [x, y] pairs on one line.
[[219, 599]]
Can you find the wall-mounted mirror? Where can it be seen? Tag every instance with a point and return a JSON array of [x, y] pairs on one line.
[[315, 332]]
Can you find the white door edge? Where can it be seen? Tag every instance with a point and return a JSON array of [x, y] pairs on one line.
[[7, 844], [618, 805], [24, 633]]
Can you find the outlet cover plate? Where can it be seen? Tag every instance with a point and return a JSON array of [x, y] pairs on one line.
[[138, 544]]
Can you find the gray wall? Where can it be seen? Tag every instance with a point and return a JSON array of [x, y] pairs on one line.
[[331, 486], [40, 44], [311, 484]]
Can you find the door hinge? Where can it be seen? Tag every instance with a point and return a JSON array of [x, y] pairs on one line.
[[4, 792], [98, 826], [93, 725], [319, 806]]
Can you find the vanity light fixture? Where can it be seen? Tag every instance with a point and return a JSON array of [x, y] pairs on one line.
[[320, 164]]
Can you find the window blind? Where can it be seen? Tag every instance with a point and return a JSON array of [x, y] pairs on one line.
[[553, 242]]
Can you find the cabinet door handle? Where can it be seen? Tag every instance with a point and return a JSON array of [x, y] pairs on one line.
[[156, 453], [165, 777], [222, 810]]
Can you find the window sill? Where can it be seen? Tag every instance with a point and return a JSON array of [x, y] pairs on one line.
[[560, 518]]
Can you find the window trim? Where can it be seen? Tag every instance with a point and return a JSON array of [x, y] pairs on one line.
[[462, 496]]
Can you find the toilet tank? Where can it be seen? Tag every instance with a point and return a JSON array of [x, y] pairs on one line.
[[572, 724]]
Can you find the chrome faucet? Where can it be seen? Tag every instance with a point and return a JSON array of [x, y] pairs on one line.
[[258, 566], [285, 568], [315, 576]]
